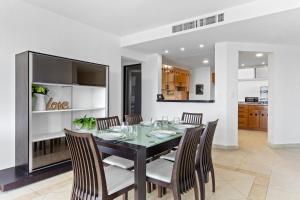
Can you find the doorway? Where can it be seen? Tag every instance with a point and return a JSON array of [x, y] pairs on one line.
[[253, 96], [132, 81]]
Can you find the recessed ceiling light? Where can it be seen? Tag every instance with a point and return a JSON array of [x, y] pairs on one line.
[[166, 51], [243, 65], [182, 49], [263, 63], [205, 61], [259, 55], [201, 45]]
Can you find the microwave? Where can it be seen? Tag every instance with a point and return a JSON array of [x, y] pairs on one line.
[[251, 99]]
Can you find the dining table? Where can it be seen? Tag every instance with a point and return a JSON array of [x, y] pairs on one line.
[[140, 148]]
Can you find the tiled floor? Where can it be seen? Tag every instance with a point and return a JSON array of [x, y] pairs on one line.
[[254, 172]]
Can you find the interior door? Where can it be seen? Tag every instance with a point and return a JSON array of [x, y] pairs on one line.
[[132, 89]]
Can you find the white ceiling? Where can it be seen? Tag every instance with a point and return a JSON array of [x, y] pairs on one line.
[[249, 59], [122, 17], [280, 28], [194, 59]]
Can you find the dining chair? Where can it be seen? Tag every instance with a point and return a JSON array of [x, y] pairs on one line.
[[179, 175], [133, 119], [204, 164], [91, 179], [106, 123], [187, 118], [192, 118]]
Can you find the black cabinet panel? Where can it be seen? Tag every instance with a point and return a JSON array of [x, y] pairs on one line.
[[50, 69], [89, 74]]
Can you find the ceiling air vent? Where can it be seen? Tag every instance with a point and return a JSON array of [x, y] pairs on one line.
[[198, 23]]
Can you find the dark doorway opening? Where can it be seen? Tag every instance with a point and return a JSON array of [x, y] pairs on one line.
[[132, 102]]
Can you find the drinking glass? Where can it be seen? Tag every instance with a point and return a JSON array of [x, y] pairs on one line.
[[134, 131], [176, 120], [165, 121], [124, 127], [156, 125]]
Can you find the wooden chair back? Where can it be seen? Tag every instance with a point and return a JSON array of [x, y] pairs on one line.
[[192, 118], [133, 119], [203, 157], [89, 177], [107, 122], [183, 175]]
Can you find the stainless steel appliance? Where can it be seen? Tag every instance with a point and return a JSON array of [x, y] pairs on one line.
[[264, 94], [251, 99]]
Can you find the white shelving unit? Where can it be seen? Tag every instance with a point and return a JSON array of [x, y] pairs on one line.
[[83, 100], [40, 138], [48, 136], [68, 110]]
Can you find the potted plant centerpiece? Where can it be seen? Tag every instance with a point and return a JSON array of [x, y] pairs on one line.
[[38, 97], [85, 123]]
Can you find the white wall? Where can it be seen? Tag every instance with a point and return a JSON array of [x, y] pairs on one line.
[[225, 134], [284, 84], [24, 27], [200, 75], [250, 89]]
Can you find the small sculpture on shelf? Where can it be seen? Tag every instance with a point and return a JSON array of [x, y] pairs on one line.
[[52, 105]]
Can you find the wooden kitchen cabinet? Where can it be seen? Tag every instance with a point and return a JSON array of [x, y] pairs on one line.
[[175, 83], [263, 120], [253, 117]]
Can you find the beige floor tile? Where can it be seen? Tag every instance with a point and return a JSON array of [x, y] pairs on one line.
[[258, 192], [275, 194], [23, 193]]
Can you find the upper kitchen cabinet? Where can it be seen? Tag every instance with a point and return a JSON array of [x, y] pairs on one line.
[[253, 73], [51, 69]]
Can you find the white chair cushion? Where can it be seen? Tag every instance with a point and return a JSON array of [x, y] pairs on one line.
[[119, 162], [160, 169], [170, 156], [117, 178]]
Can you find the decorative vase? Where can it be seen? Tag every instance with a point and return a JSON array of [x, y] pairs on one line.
[[39, 102], [78, 127]]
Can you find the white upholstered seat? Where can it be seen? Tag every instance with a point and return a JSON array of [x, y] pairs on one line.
[[119, 162], [160, 169], [170, 156], [117, 178]]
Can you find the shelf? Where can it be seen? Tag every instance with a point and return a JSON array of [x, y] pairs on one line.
[[254, 79], [48, 136], [68, 110], [67, 85]]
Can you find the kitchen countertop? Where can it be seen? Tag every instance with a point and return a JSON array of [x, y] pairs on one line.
[[253, 103]]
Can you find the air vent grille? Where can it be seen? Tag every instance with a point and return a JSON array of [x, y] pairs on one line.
[[198, 23]]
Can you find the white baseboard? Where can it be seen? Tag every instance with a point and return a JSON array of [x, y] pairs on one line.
[[280, 146], [225, 147]]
